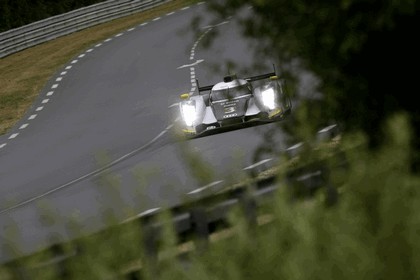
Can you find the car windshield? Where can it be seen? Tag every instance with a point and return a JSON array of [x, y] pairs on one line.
[[229, 93]]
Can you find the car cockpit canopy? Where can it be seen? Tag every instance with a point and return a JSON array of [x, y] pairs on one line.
[[230, 88]]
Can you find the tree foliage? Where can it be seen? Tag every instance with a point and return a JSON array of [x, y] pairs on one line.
[[15, 13], [363, 52]]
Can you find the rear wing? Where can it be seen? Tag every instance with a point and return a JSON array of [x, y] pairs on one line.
[[260, 77], [250, 79]]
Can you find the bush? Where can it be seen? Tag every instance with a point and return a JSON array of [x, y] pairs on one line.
[[372, 232]]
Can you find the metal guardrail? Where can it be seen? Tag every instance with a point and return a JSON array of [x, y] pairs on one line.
[[196, 220], [18, 39]]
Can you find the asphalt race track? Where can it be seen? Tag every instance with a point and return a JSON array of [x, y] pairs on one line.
[[101, 135]]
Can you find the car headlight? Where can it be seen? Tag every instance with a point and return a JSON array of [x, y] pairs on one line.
[[189, 113], [269, 98]]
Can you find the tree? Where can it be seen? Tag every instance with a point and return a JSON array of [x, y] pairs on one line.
[[5, 14], [16, 13], [363, 52]]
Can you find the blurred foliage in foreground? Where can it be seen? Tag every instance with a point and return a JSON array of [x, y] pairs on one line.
[[363, 53], [371, 232]]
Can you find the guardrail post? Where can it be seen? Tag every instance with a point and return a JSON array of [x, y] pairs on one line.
[[17, 271], [200, 227], [331, 194], [132, 276], [150, 248], [15, 267], [249, 206], [58, 252]]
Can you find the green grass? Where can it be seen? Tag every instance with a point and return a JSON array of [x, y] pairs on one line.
[[25, 73]]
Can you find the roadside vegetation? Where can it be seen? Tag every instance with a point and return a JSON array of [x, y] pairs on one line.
[[371, 231]]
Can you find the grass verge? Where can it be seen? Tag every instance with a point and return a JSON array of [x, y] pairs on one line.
[[25, 73]]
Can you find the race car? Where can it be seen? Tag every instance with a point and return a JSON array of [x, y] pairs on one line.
[[235, 102]]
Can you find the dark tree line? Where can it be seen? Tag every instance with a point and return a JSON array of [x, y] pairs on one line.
[[16, 13], [364, 52]]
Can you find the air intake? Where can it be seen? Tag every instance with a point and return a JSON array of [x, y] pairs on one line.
[[228, 79]]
